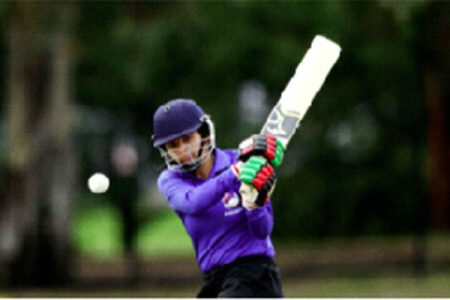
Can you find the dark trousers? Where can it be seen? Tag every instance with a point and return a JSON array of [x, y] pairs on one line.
[[251, 276]]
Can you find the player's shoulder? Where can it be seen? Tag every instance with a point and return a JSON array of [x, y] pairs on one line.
[[231, 154], [169, 177], [165, 174], [165, 177]]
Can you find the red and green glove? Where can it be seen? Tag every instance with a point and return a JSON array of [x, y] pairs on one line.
[[259, 173], [265, 145]]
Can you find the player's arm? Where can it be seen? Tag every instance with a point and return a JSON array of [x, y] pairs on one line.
[[188, 199], [260, 221], [259, 153]]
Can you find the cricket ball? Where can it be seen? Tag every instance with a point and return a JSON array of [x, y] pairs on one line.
[[98, 183]]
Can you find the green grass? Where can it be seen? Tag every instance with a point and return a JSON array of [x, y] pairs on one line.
[[96, 232], [436, 285], [164, 236]]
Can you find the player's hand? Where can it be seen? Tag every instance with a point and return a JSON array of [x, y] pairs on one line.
[[265, 145], [258, 173]]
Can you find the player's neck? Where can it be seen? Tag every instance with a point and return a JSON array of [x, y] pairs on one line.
[[205, 168]]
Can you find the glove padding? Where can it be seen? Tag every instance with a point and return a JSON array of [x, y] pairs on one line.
[[259, 173], [265, 145]]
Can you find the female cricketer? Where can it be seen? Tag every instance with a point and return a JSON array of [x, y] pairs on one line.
[[230, 235]]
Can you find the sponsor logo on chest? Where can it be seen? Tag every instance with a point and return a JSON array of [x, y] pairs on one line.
[[231, 202]]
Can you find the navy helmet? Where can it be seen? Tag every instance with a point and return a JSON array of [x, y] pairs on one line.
[[175, 119], [179, 117]]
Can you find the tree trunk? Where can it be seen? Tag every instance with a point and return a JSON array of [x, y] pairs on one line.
[[436, 56], [41, 164], [439, 150]]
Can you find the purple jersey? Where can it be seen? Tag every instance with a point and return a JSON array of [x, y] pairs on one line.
[[220, 228]]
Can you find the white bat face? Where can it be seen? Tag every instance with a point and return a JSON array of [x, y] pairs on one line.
[[301, 89], [298, 96]]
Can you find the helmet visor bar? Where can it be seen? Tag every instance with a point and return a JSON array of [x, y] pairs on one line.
[[186, 161]]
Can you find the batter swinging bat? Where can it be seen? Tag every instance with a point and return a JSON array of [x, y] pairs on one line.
[[298, 95]]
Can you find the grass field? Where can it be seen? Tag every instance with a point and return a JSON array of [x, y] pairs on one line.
[[436, 285], [96, 234], [431, 286]]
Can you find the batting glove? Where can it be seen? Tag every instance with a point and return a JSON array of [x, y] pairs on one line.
[[258, 173], [265, 145]]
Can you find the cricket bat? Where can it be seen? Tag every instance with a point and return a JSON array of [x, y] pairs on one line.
[[298, 95]]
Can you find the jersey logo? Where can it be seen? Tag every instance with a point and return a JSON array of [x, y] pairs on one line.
[[231, 200], [167, 108]]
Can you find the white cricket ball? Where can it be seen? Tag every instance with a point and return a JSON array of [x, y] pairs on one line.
[[98, 183]]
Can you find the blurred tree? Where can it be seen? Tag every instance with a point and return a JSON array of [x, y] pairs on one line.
[[358, 161], [41, 160], [125, 195], [433, 45]]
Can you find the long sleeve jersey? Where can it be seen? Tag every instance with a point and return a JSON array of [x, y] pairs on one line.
[[221, 230]]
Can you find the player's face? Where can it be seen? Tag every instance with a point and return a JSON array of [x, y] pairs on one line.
[[184, 149]]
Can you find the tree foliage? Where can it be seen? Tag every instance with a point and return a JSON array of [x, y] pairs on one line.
[[357, 165]]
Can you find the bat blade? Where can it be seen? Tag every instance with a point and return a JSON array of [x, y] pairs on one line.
[[299, 93]]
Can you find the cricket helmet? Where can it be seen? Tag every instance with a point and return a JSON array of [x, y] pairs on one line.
[[179, 117]]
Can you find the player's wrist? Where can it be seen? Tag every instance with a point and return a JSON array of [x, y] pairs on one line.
[[256, 213], [236, 169]]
